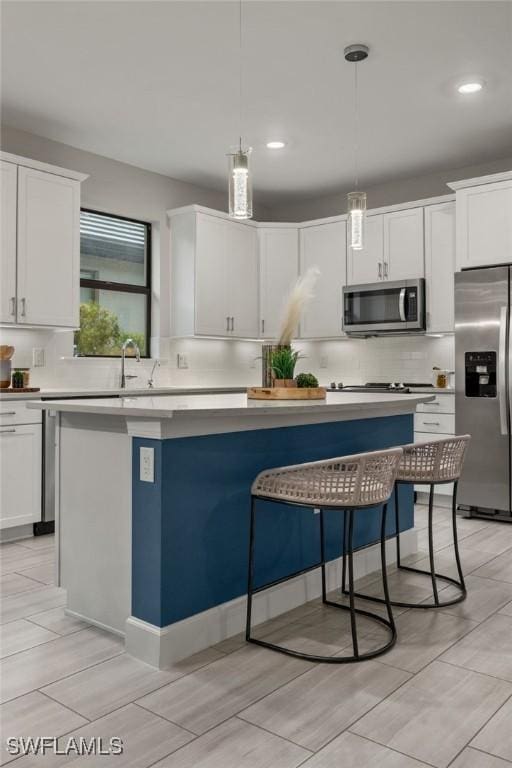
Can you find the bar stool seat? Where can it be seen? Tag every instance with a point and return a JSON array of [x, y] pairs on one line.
[[431, 463], [346, 483]]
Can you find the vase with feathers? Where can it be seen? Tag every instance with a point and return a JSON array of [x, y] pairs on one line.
[[279, 360]]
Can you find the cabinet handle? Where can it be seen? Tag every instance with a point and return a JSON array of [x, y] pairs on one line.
[[4, 431], [380, 270], [227, 323], [23, 307], [7, 413], [232, 323], [432, 423], [13, 305], [262, 327], [385, 270]]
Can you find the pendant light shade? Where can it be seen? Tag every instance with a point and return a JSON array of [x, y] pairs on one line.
[[356, 201], [356, 217], [240, 184]]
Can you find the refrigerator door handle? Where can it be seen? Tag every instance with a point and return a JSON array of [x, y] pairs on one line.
[[502, 378]]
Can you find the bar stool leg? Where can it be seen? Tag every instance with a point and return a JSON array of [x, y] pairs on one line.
[[322, 555], [397, 526], [344, 553], [353, 624], [431, 544], [250, 576], [383, 566], [456, 538]]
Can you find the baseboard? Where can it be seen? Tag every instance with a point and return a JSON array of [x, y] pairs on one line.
[[87, 620], [163, 646], [16, 533]]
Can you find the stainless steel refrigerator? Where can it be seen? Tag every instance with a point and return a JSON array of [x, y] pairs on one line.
[[483, 384]]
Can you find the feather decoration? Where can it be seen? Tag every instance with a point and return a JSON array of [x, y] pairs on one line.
[[300, 295]]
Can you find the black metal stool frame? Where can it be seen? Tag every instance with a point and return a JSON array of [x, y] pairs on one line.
[[461, 585], [389, 623]]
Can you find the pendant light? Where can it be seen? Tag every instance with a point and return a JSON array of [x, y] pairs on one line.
[[240, 179], [356, 201]]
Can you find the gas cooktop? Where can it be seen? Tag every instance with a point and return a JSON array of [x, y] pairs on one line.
[[371, 386]]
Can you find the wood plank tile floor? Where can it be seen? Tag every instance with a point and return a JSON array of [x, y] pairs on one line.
[[441, 698]]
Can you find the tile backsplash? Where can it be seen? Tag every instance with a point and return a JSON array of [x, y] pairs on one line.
[[216, 362]]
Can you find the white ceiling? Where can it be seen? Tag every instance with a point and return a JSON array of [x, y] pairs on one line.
[[155, 84]]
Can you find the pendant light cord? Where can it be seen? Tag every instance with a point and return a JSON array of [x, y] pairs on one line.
[[240, 68], [356, 128]]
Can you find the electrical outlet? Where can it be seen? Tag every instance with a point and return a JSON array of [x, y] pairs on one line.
[[38, 357], [182, 361], [324, 361], [147, 465]]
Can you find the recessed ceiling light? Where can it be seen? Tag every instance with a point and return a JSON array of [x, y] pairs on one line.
[[275, 144], [470, 87]]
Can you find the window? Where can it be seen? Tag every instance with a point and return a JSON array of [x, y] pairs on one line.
[[115, 284]]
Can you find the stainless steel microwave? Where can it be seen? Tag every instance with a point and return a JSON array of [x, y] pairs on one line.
[[385, 307]]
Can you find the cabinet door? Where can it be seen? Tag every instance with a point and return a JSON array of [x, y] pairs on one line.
[[484, 225], [279, 269], [9, 173], [324, 246], [440, 266], [48, 249], [242, 268], [403, 244], [20, 469], [366, 265], [211, 299]]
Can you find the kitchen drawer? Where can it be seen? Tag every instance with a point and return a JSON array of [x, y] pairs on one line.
[[443, 423], [442, 404], [17, 413]]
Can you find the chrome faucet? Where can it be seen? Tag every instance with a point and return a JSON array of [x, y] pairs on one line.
[[151, 380], [128, 343]]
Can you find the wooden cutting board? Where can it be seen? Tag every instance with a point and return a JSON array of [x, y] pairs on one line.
[[286, 393], [20, 390]]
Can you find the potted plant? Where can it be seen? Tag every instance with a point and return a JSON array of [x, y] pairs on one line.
[[283, 361], [306, 381]]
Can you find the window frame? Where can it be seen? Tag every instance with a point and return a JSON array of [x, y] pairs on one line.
[[109, 285]]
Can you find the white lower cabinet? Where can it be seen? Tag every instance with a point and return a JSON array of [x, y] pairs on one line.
[[324, 246], [20, 472], [435, 421]]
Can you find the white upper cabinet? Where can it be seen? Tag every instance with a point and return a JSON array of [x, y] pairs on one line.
[[393, 248], [403, 244], [48, 249], [324, 246], [242, 279], [211, 297], [8, 215], [214, 275], [366, 265], [440, 266], [40, 259], [279, 269], [484, 223]]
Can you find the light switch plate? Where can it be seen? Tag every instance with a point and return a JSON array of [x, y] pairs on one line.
[[147, 465], [182, 361], [38, 357]]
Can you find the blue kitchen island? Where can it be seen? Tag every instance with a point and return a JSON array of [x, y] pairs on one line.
[[153, 508]]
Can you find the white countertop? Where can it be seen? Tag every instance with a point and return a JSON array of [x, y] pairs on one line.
[[91, 392], [232, 404]]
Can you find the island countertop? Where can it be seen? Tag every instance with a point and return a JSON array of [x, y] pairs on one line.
[[350, 405]]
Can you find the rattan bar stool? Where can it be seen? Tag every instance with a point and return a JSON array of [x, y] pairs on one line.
[[347, 483], [430, 463]]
